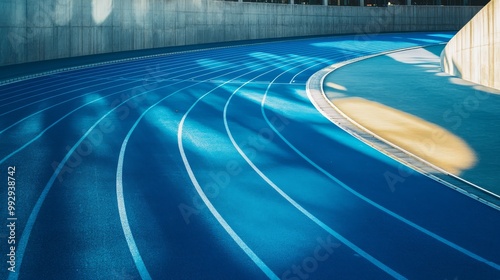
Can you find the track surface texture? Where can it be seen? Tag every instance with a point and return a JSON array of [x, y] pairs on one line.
[[214, 164], [413, 83]]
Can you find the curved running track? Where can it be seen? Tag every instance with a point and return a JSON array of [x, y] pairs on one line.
[[213, 164]]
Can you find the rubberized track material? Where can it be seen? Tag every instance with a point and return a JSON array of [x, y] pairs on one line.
[[214, 164]]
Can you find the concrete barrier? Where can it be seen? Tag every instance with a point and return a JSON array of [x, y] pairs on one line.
[[474, 52], [34, 30]]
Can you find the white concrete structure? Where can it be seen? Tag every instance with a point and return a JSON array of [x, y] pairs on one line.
[[474, 53], [34, 30]]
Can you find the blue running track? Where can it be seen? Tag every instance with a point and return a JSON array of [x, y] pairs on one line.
[[214, 164]]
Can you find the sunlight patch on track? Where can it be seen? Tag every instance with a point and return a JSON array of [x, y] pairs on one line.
[[411, 133]]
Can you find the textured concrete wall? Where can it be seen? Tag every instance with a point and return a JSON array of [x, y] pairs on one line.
[[474, 53], [34, 30]]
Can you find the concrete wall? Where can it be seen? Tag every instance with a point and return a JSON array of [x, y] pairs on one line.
[[474, 53], [34, 30]]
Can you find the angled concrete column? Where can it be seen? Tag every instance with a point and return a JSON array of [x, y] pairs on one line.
[[362, 3], [473, 53], [325, 2]]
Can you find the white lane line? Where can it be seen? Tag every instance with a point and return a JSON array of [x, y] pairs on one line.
[[71, 112], [36, 209], [144, 71], [82, 73], [292, 80], [146, 59], [313, 218], [119, 187], [139, 263], [47, 128], [174, 64], [378, 206], [23, 242], [33, 215], [141, 267], [54, 105], [131, 242], [250, 253]]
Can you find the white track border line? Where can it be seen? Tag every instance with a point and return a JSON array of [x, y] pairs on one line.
[[269, 273], [115, 61], [318, 98], [72, 68], [36, 209], [24, 239], [387, 211], [297, 206], [119, 187], [122, 211], [248, 251], [31, 220], [129, 82], [115, 73]]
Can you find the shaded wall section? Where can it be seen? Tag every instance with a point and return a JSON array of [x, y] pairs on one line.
[[33, 30], [473, 54]]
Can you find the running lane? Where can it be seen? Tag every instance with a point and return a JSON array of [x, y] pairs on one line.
[[213, 164]]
